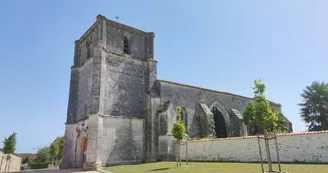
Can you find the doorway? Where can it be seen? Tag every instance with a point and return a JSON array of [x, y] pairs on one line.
[[84, 143]]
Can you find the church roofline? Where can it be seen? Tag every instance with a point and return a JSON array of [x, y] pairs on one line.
[[210, 90]]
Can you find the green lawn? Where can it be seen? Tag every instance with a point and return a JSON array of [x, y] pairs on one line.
[[214, 167]]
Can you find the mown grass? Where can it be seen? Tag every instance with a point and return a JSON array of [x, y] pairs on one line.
[[214, 167]]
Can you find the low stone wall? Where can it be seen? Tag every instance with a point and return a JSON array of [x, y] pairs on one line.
[[9, 163], [309, 147]]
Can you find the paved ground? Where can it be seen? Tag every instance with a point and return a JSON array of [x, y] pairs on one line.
[[60, 171]]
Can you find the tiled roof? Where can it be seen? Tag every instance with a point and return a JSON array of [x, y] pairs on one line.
[[250, 137], [24, 155], [220, 92]]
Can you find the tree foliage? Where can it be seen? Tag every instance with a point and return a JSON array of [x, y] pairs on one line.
[[261, 114], [178, 130], [9, 144], [56, 147], [26, 160], [314, 109], [43, 154]]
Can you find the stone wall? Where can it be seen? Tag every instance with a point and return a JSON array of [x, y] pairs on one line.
[[123, 86], [123, 140], [11, 164], [190, 97], [298, 147]]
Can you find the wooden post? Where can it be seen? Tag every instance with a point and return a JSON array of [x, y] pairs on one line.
[[267, 146], [187, 152], [177, 157], [258, 140], [275, 136], [179, 154]]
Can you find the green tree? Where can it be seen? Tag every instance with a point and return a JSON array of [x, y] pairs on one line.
[[9, 144], [43, 154], [178, 131], [56, 147], [25, 160], [262, 115], [314, 109]]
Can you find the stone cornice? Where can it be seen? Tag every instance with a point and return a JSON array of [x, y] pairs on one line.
[[127, 28], [126, 56], [90, 30]]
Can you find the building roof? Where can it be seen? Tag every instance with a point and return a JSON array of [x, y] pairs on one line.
[[24, 155], [209, 90]]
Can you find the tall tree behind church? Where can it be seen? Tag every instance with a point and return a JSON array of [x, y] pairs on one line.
[[314, 109]]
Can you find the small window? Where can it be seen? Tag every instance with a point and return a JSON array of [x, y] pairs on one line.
[[126, 46], [88, 47]]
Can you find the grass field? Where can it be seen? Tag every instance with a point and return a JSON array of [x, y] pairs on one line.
[[214, 167]]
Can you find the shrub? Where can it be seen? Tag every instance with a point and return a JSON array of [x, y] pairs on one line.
[[38, 165]]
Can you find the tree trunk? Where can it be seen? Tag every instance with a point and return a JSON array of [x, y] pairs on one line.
[[179, 154], [267, 147]]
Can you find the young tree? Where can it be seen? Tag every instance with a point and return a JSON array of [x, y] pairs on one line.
[[56, 147], [9, 144], [263, 116], [25, 160], [43, 154], [178, 130], [9, 147], [314, 109]]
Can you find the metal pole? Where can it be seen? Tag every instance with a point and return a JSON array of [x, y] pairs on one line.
[[277, 152], [258, 140]]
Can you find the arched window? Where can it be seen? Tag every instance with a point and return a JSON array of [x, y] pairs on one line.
[[126, 46], [88, 47], [219, 121]]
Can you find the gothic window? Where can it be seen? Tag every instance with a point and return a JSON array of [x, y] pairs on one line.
[[126, 45], [184, 118], [88, 47], [219, 121]]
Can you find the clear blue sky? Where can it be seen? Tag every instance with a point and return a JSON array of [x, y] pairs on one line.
[[222, 45]]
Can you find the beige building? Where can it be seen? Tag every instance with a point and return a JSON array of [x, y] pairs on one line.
[[9, 162]]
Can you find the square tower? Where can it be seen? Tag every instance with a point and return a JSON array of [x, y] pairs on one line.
[[109, 117]]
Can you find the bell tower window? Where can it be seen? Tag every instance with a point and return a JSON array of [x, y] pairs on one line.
[[126, 48]]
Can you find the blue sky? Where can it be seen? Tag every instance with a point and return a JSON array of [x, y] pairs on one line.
[[222, 45]]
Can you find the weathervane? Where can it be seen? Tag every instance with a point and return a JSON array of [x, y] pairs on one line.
[[117, 17]]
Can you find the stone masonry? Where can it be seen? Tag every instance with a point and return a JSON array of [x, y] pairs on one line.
[[119, 112]]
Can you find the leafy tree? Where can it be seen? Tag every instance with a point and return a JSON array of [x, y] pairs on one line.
[[314, 109], [178, 130], [262, 115], [25, 160], [9, 144], [56, 147], [43, 154]]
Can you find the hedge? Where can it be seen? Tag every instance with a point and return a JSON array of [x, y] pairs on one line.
[[38, 165]]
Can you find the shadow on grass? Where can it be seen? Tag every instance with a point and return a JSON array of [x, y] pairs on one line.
[[159, 169]]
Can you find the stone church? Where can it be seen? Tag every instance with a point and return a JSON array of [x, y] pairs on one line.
[[119, 112]]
